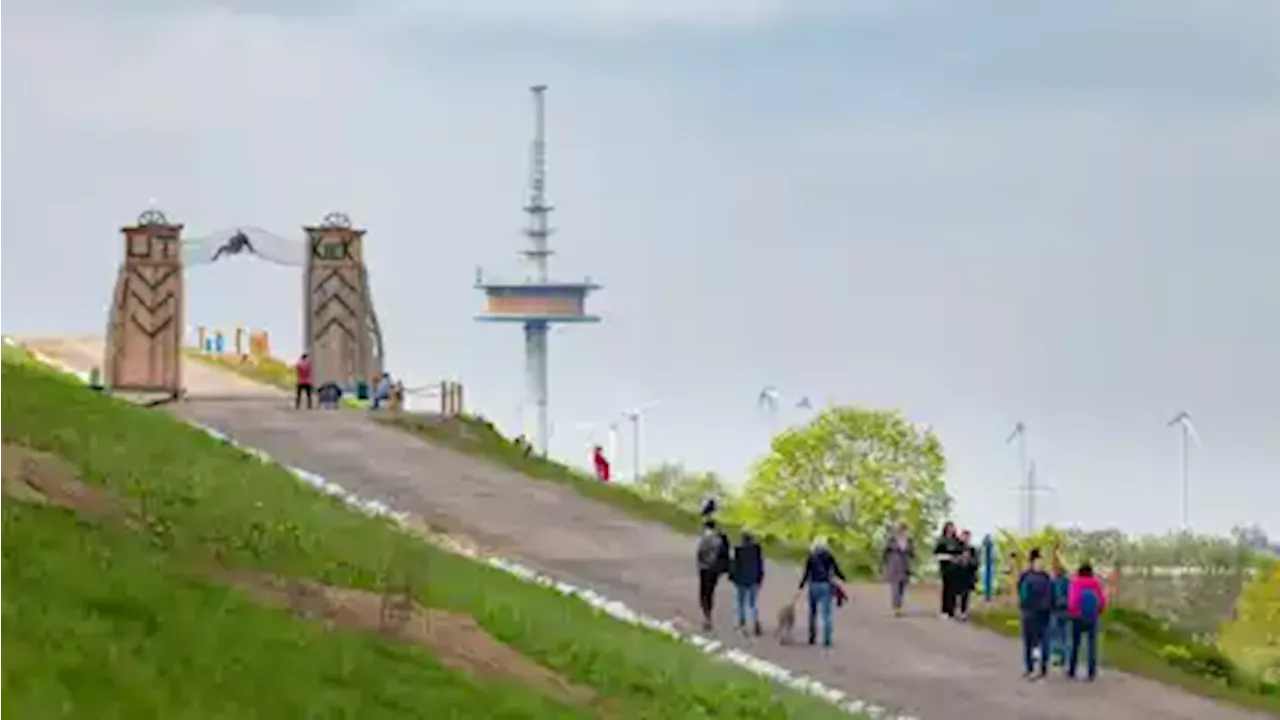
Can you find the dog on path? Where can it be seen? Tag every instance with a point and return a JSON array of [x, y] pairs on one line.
[[786, 627]]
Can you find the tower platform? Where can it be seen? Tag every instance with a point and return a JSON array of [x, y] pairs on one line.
[[542, 302]]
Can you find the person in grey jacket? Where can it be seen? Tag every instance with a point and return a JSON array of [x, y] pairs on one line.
[[897, 560]]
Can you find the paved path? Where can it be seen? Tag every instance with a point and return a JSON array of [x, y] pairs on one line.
[[935, 669]]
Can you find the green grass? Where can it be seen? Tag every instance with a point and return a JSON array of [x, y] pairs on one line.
[[478, 438], [101, 623], [1133, 642]]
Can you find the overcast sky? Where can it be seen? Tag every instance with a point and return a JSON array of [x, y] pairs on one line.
[[977, 212]]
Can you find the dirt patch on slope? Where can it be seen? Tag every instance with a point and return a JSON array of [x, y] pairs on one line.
[[456, 640], [37, 477]]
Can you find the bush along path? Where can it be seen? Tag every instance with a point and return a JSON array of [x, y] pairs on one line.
[[198, 499]]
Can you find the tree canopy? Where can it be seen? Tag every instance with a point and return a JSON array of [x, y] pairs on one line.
[[1252, 640], [848, 474], [672, 483]]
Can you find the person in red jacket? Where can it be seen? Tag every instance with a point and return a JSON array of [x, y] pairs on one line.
[[1086, 601], [602, 464], [302, 381]]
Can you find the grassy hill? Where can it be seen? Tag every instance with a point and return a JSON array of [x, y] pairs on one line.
[[151, 571]]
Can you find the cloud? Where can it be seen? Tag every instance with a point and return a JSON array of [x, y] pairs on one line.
[[591, 15], [207, 70]]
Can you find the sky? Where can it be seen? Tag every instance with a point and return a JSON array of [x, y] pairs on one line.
[[976, 213]]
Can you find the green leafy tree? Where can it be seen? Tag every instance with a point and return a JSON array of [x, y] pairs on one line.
[[671, 482], [848, 474], [1252, 639]]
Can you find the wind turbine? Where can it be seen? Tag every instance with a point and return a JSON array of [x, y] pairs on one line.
[[1189, 435], [635, 415], [1033, 488], [1019, 434], [768, 399]]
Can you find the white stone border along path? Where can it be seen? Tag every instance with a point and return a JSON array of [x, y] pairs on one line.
[[613, 608]]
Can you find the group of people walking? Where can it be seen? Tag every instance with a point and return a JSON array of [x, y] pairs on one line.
[[957, 569], [744, 565], [1059, 613]]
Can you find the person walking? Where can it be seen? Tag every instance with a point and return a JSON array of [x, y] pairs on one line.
[[747, 574], [947, 551], [601, 463], [1035, 605], [1086, 601], [896, 561], [713, 560], [820, 573], [1060, 619], [966, 574], [302, 382]]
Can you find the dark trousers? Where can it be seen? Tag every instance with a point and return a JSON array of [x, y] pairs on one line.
[[949, 586], [300, 390], [1035, 633], [707, 580], [962, 600], [1086, 630]]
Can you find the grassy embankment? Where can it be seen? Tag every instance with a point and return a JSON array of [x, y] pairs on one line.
[[1138, 643], [137, 604]]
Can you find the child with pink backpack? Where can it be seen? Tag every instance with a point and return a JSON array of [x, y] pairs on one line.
[[1086, 602]]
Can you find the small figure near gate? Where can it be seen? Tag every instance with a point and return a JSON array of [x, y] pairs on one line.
[[302, 382]]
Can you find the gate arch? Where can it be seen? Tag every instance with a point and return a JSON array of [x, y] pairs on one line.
[[145, 324]]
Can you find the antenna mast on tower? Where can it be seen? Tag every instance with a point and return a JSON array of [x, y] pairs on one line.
[[539, 229]]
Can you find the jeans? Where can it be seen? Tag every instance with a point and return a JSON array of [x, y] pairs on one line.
[[1059, 628], [897, 593], [820, 595], [748, 604], [299, 391], [1086, 630], [1035, 633]]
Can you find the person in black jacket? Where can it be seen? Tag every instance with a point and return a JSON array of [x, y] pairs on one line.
[[820, 572], [948, 552], [747, 574], [713, 560]]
